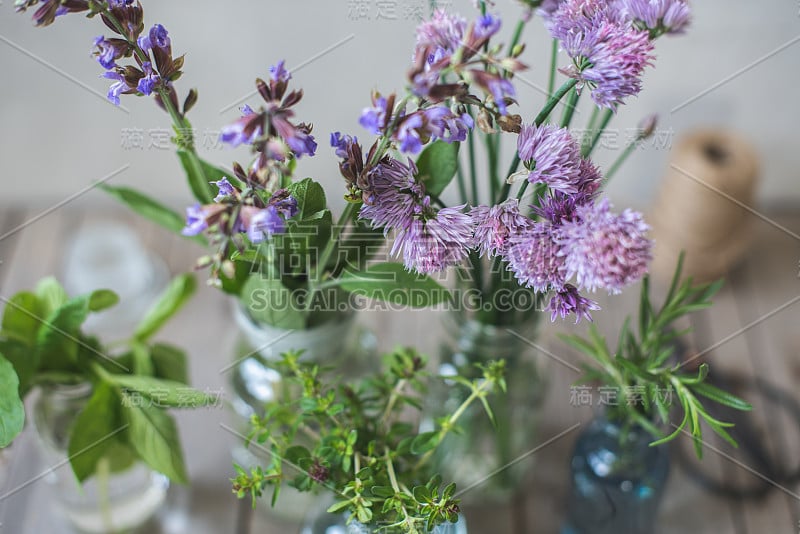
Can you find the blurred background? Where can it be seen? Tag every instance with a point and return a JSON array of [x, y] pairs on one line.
[[735, 68]]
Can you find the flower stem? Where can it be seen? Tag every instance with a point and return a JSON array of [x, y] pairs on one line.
[[473, 173], [596, 135], [620, 161], [551, 82], [569, 110]]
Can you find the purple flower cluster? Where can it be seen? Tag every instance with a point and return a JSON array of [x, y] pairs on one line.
[[259, 220], [155, 67], [270, 129], [658, 16], [608, 51], [429, 239], [47, 12], [447, 43]]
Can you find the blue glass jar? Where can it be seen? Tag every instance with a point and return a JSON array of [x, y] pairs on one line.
[[617, 480]]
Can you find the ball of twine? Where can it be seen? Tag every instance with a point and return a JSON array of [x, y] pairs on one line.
[[703, 206]]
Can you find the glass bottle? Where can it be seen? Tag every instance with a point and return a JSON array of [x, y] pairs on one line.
[[110, 501], [617, 480]]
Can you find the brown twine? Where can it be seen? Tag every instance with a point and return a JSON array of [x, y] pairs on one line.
[[699, 206]]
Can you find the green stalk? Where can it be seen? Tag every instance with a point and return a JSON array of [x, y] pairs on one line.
[[517, 35], [551, 82], [462, 185], [607, 116], [103, 474], [620, 161], [492, 147], [472, 168], [569, 110]]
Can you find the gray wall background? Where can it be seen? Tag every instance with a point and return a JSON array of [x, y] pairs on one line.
[[58, 135]]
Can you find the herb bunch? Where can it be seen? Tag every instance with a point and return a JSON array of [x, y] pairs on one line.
[[645, 363], [125, 419], [359, 441]]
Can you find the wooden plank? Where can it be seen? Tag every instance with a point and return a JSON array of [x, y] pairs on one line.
[[769, 301]]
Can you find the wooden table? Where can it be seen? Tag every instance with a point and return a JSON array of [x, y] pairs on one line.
[[752, 330]]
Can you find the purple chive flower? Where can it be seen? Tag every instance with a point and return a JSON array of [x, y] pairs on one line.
[[244, 130], [392, 195], [432, 244], [107, 52], [374, 118], [569, 302], [262, 223], [443, 124], [611, 54], [495, 227], [407, 134], [486, 26], [605, 250], [536, 260], [548, 7], [278, 72], [225, 189], [149, 81], [119, 86], [668, 16], [553, 156], [196, 220], [443, 32]]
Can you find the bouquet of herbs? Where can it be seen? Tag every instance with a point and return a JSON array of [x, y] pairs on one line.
[[643, 367], [358, 441], [275, 236], [42, 344]]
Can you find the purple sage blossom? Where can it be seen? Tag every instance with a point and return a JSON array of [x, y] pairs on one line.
[[300, 140], [374, 118], [244, 130], [196, 221], [262, 223], [486, 26], [602, 249], [120, 86], [536, 259], [149, 81], [500, 89], [568, 301], [108, 51], [667, 16], [495, 227], [225, 189], [408, 135], [278, 72], [342, 143], [443, 124], [553, 156]]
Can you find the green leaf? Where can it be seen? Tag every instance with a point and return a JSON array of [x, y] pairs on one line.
[[310, 198], [425, 442], [12, 412], [169, 363], [97, 433], [437, 165], [723, 397], [24, 360], [59, 338], [150, 209], [102, 299], [269, 301], [164, 393], [390, 282], [141, 362], [199, 174], [51, 295], [22, 318], [153, 435], [338, 506], [177, 293]]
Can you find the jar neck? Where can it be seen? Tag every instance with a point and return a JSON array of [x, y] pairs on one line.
[[480, 341]]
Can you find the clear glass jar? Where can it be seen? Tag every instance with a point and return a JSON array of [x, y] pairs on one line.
[[322, 522], [479, 457], [617, 480], [108, 501], [339, 343]]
